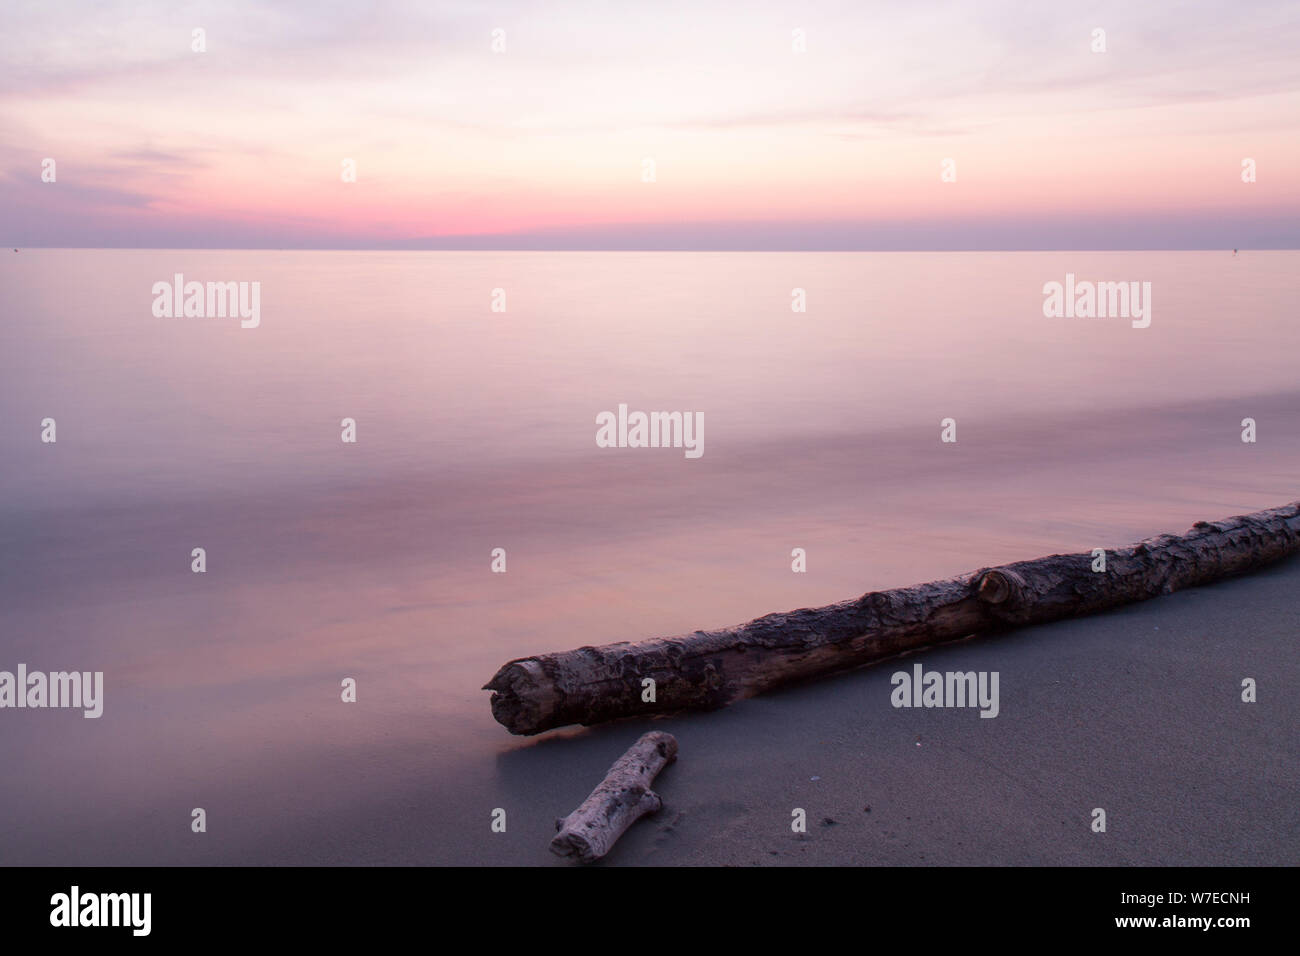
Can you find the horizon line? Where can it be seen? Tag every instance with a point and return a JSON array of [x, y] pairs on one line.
[[293, 248]]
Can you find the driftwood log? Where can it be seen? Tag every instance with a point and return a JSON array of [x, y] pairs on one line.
[[709, 669], [622, 798]]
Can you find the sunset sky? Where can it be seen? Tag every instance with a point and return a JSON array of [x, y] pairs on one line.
[[755, 146]]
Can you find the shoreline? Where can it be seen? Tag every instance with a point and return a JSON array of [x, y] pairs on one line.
[[1136, 710]]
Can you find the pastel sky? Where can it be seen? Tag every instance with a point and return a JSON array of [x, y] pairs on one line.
[[754, 146]]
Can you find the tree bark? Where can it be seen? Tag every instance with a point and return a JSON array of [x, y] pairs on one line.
[[622, 798], [710, 669]]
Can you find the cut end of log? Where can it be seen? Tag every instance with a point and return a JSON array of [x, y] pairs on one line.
[[524, 698], [574, 845]]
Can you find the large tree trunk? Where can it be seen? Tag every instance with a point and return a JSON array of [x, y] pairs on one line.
[[708, 669]]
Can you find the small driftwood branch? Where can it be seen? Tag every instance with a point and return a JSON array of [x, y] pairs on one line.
[[709, 669], [622, 798]]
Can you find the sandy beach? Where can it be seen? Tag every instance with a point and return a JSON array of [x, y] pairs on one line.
[[1136, 711]]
